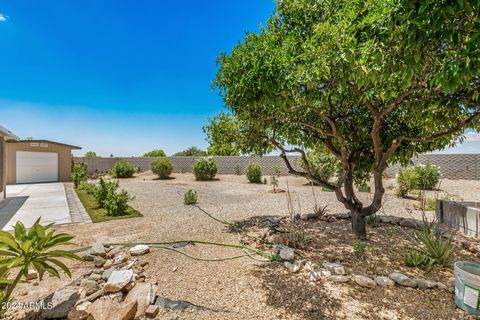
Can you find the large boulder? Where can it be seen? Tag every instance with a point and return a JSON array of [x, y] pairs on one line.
[[106, 309], [59, 303], [144, 294]]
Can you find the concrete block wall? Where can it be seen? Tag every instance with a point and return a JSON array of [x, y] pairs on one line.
[[452, 166]]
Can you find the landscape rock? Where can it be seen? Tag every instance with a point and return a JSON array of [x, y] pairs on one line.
[[108, 264], [106, 274], [287, 254], [451, 283], [99, 261], [402, 279], [425, 284], [441, 286], [152, 311], [144, 294], [383, 281], [390, 219], [310, 266], [293, 267], [314, 276], [324, 273], [90, 286], [105, 309], [339, 279], [364, 281], [98, 250], [79, 312], [87, 256], [60, 302], [120, 258], [118, 280], [32, 274], [139, 250], [407, 223], [113, 252], [335, 268], [95, 277]]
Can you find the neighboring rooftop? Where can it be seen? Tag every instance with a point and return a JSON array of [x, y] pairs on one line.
[[7, 134]]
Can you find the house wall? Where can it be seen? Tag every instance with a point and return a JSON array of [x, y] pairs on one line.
[[64, 158], [2, 169]]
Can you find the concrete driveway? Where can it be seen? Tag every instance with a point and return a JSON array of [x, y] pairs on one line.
[[28, 202]]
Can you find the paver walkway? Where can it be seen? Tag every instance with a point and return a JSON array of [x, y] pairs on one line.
[[77, 211]]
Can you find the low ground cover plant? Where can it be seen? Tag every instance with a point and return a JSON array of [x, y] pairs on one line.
[[205, 169], [35, 249], [122, 169], [190, 197], [430, 249], [162, 167], [254, 173], [79, 173]]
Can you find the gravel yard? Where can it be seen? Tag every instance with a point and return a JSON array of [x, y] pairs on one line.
[[244, 288]]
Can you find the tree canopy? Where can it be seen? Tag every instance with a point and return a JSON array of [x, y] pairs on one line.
[[222, 135], [376, 82], [90, 154], [191, 152], [155, 153]]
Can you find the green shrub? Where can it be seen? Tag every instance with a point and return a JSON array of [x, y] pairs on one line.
[[414, 259], [122, 169], [35, 248], [205, 169], [372, 220], [104, 188], [437, 250], [116, 203], [323, 164], [155, 153], [89, 188], [190, 197], [79, 173], [254, 173], [162, 167], [407, 181], [428, 176], [359, 248]]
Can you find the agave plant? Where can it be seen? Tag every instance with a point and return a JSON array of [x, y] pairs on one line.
[[436, 249], [35, 248]]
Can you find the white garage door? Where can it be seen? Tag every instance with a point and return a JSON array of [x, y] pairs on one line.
[[37, 167]]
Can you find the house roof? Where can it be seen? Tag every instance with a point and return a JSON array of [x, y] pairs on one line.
[[7, 134], [47, 141]]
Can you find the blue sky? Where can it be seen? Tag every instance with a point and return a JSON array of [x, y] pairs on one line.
[[117, 77], [120, 77]]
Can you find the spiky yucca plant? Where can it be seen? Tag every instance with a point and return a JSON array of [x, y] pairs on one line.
[[35, 248]]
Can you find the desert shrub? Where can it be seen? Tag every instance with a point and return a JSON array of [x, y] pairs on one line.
[[407, 181], [320, 211], [372, 220], [205, 169], [359, 248], [322, 163], [103, 189], [122, 169], [295, 236], [190, 197], [428, 176], [414, 259], [254, 173], [436, 249], [79, 173], [116, 203], [36, 248], [89, 188], [162, 167]]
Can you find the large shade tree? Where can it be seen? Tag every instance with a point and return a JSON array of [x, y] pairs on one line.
[[375, 82]]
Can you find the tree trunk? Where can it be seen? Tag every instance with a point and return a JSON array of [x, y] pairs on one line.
[[359, 225]]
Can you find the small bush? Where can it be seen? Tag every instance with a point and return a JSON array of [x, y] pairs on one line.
[[123, 169], [205, 169], [116, 203], [254, 173], [428, 176], [102, 190], [359, 248], [89, 188], [414, 259], [437, 250], [79, 173], [407, 181], [323, 164], [372, 220], [190, 197], [162, 167], [295, 236]]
